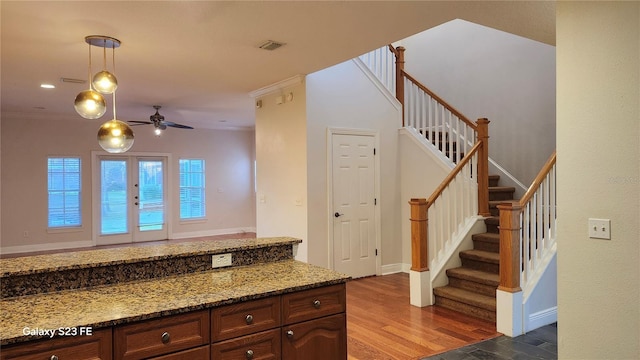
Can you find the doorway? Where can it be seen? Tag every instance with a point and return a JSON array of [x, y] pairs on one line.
[[130, 199], [353, 220]]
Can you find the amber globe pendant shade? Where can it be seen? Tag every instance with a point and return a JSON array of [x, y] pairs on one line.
[[90, 104], [115, 136], [105, 82]]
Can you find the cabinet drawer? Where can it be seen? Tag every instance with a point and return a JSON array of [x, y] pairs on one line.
[[319, 339], [245, 318], [161, 336], [201, 353], [261, 346], [311, 304], [95, 347]]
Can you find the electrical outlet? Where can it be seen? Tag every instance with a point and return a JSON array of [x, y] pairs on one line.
[[600, 229], [221, 260]]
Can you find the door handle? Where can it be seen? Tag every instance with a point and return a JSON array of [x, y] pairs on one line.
[[337, 214]]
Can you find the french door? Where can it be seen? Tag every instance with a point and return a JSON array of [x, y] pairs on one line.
[[131, 199]]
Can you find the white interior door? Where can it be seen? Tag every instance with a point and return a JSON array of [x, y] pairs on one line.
[[131, 199], [353, 184]]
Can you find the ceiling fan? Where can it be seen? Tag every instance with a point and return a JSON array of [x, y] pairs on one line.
[[158, 122]]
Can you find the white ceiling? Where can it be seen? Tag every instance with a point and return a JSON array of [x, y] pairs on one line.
[[200, 59]]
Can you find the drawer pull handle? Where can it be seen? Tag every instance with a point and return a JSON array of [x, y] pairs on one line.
[[53, 357], [249, 354], [316, 304], [249, 319], [290, 334], [165, 337]]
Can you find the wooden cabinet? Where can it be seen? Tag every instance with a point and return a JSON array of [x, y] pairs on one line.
[[309, 324], [97, 346], [312, 304], [315, 324], [319, 339], [264, 345], [201, 352], [245, 318], [161, 336]]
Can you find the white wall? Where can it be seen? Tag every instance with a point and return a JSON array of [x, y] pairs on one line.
[[421, 171], [598, 130], [541, 306], [342, 96], [28, 141], [281, 154], [508, 79]]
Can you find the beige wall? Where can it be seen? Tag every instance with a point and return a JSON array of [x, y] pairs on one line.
[[281, 154], [341, 96], [28, 141], [598, 135]]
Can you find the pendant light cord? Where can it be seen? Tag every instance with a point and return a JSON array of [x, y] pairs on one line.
[[90, 85]]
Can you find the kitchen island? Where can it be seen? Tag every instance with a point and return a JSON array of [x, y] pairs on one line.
[[264, 302]]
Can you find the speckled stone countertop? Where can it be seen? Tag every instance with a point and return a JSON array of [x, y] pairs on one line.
[[104, 306], [103, 257]]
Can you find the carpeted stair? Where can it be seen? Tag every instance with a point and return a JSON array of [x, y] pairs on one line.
[[472, 287]]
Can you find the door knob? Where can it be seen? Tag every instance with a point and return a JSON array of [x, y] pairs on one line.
[[337, 214]]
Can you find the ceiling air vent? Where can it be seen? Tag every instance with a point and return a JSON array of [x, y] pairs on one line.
[[73, 81], [270, 45]]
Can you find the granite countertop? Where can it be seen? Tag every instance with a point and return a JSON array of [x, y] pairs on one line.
[[104, 306], [96, 258]]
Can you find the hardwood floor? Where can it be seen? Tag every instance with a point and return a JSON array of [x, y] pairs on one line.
[[382, 325]]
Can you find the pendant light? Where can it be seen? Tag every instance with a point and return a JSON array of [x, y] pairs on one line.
[[104, 81], [115, 136], [90, 104]]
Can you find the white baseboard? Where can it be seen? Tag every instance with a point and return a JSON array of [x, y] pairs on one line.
[[542, 318], [395, 268], [192, 234], [45, 247]]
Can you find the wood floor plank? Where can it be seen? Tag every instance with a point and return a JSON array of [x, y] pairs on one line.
[[382, 325]]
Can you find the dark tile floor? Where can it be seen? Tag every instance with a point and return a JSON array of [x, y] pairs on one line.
[[541, 343]]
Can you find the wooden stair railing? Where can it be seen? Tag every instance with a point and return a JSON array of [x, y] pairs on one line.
[[460, 140], [528, 231]]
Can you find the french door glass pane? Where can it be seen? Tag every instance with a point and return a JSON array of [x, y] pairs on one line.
[[113, 191], [151, 208]]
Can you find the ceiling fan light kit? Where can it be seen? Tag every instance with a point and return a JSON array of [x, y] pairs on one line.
[[114, 136], [159, 123]]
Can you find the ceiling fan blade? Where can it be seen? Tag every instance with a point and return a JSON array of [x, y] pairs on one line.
[[179, 126], [137, 122]]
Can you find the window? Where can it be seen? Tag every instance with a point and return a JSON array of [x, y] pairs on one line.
[[64, 192], [192, 203]]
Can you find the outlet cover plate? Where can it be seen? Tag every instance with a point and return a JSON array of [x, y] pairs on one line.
[[600, 229], [221, 260]]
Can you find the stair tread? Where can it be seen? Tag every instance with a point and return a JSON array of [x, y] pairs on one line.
[[478, 276], [501, 188], [487, 236], [466, 297], [498, 202], [481, 255]]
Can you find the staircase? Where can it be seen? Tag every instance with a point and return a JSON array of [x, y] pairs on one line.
[[472, 287]]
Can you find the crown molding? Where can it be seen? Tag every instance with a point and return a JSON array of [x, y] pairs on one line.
[[276, 87]]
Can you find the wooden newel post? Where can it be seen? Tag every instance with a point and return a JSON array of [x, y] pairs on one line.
[[419, 241], [483, 167], [510, 247], [400, 77]]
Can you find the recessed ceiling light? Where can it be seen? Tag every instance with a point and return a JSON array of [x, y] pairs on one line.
[[47, 86]]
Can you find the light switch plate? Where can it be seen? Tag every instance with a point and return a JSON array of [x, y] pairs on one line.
[[221, 260], [600, 229]]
